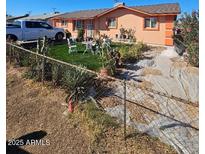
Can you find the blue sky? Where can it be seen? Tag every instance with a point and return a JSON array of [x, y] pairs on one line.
[[20, 7]]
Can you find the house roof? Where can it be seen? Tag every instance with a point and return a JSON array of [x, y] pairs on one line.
[[10, 18], [41, 17], [83, 13], [168, 8]]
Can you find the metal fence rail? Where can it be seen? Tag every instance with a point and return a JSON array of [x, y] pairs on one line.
[[173, 120]]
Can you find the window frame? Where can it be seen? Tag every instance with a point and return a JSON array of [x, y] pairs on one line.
[[76, 23], [33, 26], [109, 26], [49, 26], [156, 28], [64, 23]]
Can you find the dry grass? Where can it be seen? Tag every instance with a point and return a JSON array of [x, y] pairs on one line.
[[145, 84], [32, 106], [193, 70], [151, 71]]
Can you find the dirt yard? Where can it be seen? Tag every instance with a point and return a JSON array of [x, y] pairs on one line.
[[35, 111], [32, 107]]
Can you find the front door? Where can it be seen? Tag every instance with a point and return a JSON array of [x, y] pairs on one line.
[[90, 30]]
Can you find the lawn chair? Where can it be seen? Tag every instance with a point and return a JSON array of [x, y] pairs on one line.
[[106, 44], [71, 46], [89, 47], [98, 48]]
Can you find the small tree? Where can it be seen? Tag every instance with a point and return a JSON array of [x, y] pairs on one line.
[[189, 31], [81, 33], [68, 34]]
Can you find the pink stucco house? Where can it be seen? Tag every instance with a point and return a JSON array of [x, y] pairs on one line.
[[153, 24]]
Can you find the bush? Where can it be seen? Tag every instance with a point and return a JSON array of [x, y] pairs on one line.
[[133, 52], [77, 82], [26, 59], [193, 50], [68, 34], [80, 35], [189, 35], [57, 71]]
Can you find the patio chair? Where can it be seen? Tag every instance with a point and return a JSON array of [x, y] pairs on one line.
[[98, 48], [106, 44], [71, 46], [88, 47]]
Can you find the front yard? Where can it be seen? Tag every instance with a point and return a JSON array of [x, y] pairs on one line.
[[33, 108], [88, 60], [128, 52]]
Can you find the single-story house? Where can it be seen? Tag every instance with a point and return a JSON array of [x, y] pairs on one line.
[[44, 17], [153, 24]]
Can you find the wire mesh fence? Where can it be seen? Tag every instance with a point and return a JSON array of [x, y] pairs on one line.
[[173, 120]]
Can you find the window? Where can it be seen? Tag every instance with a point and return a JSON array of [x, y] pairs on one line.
[[78, 24], [45, 25], [64, 23], [16, 24], [150, 22], [31, 24], [112, 23]]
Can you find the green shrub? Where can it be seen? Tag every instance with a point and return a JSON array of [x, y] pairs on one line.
[[133, 52], [80, 35], [108, 61], [193, 50], [26, 59], [189, 35], [77, 82], [68, 34], [57, 71]]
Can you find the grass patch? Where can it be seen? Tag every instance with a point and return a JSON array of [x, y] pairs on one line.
[[88, 60], [95, 120]]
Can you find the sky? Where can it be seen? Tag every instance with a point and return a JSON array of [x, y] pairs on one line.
[[36, 7]]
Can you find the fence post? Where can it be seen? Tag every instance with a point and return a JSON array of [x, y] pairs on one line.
[[10, 48], [125, 108], [43, 62]]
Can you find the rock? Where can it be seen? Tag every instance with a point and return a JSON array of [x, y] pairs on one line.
[[188, 81], [175, 122], [118, 112], [145, 63]]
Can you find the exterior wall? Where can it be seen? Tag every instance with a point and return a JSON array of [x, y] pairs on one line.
[[129, 19], [69, 27], [169, 30]]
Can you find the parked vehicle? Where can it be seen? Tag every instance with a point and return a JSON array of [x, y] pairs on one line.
[[31, 30]]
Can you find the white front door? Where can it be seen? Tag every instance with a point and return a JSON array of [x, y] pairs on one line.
[[90, 30]]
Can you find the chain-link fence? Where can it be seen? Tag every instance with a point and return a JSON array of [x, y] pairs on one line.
[[173, 120]]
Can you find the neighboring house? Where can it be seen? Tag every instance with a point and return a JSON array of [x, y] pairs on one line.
[[44, 17], [153, 24], [10, 19]]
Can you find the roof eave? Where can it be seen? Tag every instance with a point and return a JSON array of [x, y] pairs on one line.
[[73, 18], [136, 10]]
